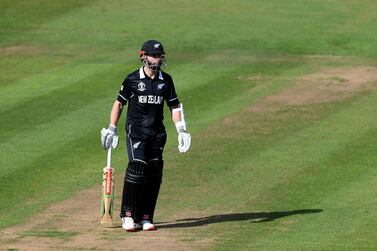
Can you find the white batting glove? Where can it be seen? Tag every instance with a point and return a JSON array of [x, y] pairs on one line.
[[109, 137], [184, 138], [184, 142]]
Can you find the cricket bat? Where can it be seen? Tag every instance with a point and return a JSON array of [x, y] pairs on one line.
[[107, 192]]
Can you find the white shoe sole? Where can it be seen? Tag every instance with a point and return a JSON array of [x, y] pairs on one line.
[[136, 227], [149, 227]]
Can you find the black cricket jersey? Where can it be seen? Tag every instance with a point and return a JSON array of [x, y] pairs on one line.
[[146, 98]]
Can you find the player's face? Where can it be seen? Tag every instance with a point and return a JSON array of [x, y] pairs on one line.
[[155, 61]]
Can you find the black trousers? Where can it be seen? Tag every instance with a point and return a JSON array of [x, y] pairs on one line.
[[145, 144]]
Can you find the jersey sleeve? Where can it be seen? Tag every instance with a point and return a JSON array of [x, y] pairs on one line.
[[171, 96], [124, 93]]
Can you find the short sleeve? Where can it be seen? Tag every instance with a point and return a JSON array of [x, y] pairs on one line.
[[123, 94], [171, 96]]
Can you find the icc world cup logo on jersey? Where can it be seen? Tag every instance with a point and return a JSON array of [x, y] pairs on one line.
[[141, 87]]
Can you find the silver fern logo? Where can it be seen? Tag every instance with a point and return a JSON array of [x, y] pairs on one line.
[[136, 145]]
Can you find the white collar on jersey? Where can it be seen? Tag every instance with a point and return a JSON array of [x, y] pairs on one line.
[[142, 75]]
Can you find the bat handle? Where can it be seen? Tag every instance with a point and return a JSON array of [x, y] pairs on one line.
[[108, 165]]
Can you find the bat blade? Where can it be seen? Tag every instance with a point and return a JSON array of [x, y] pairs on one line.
[[107, 204]]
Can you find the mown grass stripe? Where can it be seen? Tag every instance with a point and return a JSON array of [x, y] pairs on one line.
[[33, 89], [21, 149]]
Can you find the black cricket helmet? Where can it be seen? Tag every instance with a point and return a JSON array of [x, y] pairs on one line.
[[151, 48]]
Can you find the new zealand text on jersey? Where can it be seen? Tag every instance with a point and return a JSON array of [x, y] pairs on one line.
[[150, 99]]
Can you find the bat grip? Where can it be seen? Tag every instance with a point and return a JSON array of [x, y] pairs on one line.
[[108, 164]]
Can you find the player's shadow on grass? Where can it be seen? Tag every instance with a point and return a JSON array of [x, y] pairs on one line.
[[252, 217]]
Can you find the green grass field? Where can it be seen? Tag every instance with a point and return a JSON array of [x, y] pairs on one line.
[[280, 99]]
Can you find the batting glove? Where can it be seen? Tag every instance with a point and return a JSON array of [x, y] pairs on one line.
[[109, 137], [184, 142], [184, 138]]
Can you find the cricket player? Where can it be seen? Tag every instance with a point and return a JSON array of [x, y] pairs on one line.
[[145, 91]]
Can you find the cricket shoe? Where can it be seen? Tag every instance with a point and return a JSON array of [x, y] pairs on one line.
[[128, 224], [147, 225]]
